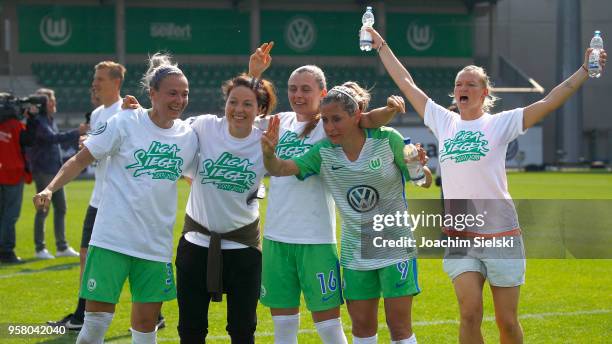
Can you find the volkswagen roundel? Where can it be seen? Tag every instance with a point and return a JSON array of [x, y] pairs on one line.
[[362, 198]]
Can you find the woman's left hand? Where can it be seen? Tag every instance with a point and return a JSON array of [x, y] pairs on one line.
[[603, 57], [269, 139], [396, 104]]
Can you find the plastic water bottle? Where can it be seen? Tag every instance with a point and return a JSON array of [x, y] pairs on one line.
[[365, 38], [415, 169], [597, 45]]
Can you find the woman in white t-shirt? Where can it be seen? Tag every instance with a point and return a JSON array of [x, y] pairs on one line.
[[220, 251], [472, 153], [299, 247], [148, 151]]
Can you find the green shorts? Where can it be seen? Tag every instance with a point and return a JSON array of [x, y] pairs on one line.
[[106, 271], [395, 280], [289, 269]]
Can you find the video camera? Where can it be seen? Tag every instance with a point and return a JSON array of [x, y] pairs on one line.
[[13, 107]]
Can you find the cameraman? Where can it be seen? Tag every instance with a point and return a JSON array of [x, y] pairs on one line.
[[46, 159], [13, 173]]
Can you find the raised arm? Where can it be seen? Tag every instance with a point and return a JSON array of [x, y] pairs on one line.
[[535, 112], [275, 166], [399, 74], [383, 115], [70, 170]]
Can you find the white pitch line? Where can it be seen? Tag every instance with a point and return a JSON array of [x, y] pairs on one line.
[[383, 326]]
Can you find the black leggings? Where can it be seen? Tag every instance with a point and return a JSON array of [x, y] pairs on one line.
[[241, 283]]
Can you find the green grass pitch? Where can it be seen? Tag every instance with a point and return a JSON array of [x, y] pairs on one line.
[[563, 300]]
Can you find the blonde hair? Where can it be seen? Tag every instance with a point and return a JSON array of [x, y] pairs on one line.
[[160, 67], [490, 98], [350, 95], [316, 73], [46, 92], [319, 78], [115, 70]]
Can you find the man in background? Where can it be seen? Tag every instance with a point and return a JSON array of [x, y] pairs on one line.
[[13, 173], [46, 159]]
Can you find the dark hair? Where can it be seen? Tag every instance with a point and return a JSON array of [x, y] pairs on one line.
[[350, 95], [160, 66], [263, 89]]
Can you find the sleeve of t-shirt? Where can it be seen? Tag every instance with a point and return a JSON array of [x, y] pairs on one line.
[[437, 117], [106, 139], [508, 125], [190, 168], [94, 118], [310, 163], [261, 122]]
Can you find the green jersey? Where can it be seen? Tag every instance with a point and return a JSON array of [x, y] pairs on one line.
[[371, 185]]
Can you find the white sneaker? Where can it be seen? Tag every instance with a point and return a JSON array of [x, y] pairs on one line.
[[68, 252], [44, 254]]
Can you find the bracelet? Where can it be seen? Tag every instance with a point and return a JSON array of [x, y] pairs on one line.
[[381, 46], [585, 68]]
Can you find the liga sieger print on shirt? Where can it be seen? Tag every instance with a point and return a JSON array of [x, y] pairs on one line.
[[159, 160], [228, 172]]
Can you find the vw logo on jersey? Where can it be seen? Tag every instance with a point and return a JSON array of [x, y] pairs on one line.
[[362, 198], [420, 37], [55, 31], [300, 34]]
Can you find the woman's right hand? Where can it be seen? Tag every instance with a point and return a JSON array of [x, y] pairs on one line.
[[269, 139], [130, 102], [260, 60], [377, 39], [42, 200]]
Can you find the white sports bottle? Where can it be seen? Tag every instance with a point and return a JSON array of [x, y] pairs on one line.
[[597, 45], [365, 38]]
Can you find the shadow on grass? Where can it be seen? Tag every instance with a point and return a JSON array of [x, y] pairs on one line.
[[26, 271]]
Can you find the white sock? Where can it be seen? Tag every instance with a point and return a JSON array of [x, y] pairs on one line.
[[411, 340], [368, 340], [94, 327], [144, 337], [286, 328], [331, 332]]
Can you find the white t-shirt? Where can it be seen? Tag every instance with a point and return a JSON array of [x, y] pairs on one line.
[[472, 155], [99, 117], [227, 178], [138, 208], [299, 212]]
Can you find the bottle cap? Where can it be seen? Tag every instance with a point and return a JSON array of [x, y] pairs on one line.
[[407, 141], [597, 32], [368, 8]]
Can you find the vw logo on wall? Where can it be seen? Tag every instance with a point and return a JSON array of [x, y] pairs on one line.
[[362, 198], [420, 37], [300, 34], [55, 31]]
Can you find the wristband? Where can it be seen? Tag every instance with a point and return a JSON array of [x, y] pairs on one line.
[[585, 68]]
